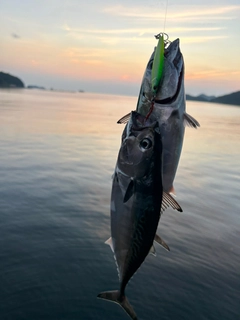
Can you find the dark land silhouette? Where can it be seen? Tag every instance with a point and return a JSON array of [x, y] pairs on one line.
[[36, 87], [232, 98], [9, 81]]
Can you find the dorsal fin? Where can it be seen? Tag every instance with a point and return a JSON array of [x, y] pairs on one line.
[[125, 118], [169, 201]]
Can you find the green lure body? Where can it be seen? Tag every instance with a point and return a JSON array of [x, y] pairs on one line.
[[157, 68]]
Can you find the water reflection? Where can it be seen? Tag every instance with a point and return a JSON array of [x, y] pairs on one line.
[[57, 155]]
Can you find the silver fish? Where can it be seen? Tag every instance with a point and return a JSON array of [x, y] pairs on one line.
[[169, 109], [136, 201]]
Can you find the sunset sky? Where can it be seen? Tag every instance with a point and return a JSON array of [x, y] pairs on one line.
[[104, 46]]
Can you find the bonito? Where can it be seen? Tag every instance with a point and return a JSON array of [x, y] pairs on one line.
[[168, 109], [137, 201]]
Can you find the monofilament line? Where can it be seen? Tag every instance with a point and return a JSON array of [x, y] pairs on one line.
[[165, 16]]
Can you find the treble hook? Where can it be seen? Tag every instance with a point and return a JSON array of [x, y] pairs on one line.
[[165, 37]]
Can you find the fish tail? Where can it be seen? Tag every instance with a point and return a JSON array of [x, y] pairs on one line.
[[115, 296]]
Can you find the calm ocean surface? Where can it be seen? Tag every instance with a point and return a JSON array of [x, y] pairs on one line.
[[57, 155]]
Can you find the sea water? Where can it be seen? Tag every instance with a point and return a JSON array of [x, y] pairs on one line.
[[57, 155]]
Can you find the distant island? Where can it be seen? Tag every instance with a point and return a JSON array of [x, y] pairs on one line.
[[232, 98], [9, 81], [35, 87]]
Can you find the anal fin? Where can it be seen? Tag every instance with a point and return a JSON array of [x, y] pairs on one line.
[[109, 242], [160, 241], [153, 251]]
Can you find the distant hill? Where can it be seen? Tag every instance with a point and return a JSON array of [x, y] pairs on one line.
[[9, 81], [232, 98]]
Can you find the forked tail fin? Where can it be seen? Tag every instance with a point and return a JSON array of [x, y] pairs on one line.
[[114, 296]]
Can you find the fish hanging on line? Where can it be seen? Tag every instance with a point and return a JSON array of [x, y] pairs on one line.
[[166, 104], [137, 201]]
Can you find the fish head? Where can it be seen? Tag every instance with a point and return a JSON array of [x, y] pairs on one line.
[[171, 83], [140, 139], [173, 73]]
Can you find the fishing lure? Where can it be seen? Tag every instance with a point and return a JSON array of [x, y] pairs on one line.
[[158, 61], [154, 75]]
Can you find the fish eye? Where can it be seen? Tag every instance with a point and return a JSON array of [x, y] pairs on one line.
[[145, 144]]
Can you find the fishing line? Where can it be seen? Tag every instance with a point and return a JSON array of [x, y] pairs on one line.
[[164, 43], [165, 18]]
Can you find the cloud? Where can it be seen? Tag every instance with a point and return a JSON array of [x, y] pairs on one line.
[[15, 36], [213, 74], [135, 31], [114, 37], [201, 39], [187, 13]]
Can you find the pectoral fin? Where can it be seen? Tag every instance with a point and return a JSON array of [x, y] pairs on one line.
[[162, 243], [125, 118], [190, 121], [169, 201], [129, 191]]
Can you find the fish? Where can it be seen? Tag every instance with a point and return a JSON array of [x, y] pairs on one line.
[[137, 202], [168, 108]]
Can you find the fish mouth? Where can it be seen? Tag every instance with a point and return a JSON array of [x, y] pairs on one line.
[[173, 55], [172, 99]]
